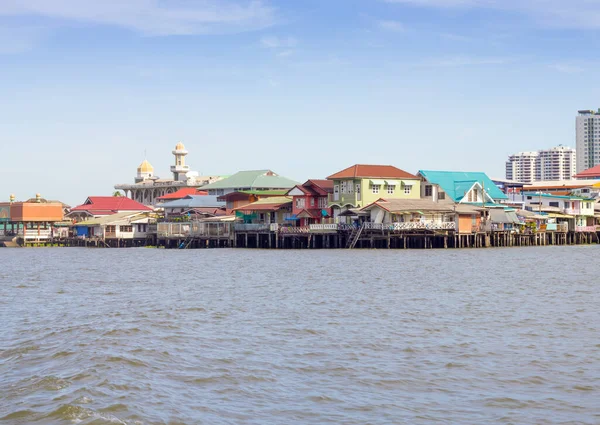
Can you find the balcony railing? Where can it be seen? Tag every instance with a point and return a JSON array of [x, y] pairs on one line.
[[399, 227], [174, 230], [585, 228], [572, 211]]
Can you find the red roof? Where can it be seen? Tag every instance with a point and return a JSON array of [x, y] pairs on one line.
[[106, 205], [589, 173], [325, 186], [375, 171], [182, 193]]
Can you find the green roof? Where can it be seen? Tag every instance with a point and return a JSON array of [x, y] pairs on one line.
[[253, 180], [266, 192], [456, 183]]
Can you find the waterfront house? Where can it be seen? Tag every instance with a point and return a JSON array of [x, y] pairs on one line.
[[424, 214], [578, 212], [360, 185], [180, 207], [250, 180], [123, 228], [310, 201], [32, 220], [237, 199], [275, 210], [100, 206], [460, 187]]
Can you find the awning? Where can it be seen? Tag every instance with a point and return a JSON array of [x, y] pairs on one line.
[[393, 182], [500, 216], [556, 215], [377, 182]]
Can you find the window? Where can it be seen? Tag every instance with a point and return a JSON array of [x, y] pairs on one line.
[[391, 188], [566, 205], [111, 229], [322, 202], [358, 188], [554, 204], [350, 187], [126, 229], [442, 195], [376, 188], [428, 190], [407, 189], [336, 188], [300, 203], [343, 187], [312, 202]]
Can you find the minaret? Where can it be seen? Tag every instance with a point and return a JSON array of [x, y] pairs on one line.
[[144, 171], [179, 169]]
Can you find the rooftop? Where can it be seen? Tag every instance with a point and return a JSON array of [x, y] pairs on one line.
[[368, 171], [252, 180], [455, 183]]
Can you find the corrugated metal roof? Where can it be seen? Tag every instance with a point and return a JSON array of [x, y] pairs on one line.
[[455, 182], [253, 179]]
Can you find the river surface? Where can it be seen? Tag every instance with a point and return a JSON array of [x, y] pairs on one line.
[[152, 336]]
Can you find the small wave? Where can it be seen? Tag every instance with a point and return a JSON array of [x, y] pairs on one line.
[[19, 415], [583, 388], [18, 351], [131, 362]]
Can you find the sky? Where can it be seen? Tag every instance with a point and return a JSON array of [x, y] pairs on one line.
[[304, 88]]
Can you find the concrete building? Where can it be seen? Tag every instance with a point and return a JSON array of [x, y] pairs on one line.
[[522, 167], [557, 163], [147, 187], [587, 129]]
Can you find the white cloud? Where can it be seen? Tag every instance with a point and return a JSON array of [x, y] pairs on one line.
[[151, 17], [579, 14], [566, 68], [394, 26], [273, 42]]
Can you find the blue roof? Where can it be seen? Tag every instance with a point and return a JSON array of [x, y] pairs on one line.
[[195, 201], [456, 183]]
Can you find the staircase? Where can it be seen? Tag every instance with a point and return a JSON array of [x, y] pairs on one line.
[[354, 236]]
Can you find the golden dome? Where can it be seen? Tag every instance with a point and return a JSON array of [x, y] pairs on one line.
[[145, 167], [179, 147]]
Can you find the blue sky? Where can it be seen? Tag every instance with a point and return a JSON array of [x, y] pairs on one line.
[[305, 88]]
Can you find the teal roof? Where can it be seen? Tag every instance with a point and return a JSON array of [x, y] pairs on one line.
[[253, 180], [456, 183]]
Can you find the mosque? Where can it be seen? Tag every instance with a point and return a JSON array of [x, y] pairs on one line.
[[147, 187]]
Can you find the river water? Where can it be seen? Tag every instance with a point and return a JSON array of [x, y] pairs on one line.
[[151, 336]]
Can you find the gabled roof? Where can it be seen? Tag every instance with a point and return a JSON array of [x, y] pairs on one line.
[[253, 179], [266, 204], [182, 193], [106, 205], [127, 217], [589, 173], [324, 185], [195, 201], [375, 171], [455, 183]]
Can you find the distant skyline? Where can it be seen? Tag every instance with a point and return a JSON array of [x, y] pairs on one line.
[[304, 88]]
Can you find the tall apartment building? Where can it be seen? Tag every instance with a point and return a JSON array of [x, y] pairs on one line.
[[558, 163], [587, 129], [522, 167]]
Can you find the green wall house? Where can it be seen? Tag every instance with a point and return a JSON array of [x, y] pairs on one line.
[[360, 185]]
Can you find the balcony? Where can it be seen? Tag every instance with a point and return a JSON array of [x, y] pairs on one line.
[[344, 198], [572, 211], [585, 228]]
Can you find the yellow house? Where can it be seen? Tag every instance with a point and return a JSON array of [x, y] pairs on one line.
[[360, 185]]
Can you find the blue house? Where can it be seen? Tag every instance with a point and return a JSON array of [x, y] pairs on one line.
[[461, 187]]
